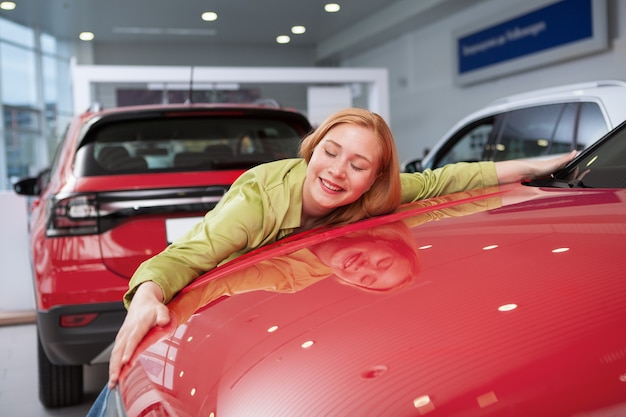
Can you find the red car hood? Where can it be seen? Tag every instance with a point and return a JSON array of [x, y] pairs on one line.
[[515, 307]]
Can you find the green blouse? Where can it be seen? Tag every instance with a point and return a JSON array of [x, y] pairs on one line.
[[263, 205]]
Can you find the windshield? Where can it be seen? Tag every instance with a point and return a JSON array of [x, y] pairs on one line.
[[603, 165]]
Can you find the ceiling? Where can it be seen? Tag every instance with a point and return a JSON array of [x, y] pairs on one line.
[[239, 21], [249, 22]]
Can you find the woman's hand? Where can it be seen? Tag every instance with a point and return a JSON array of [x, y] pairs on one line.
[[145, 312], [519, 170]]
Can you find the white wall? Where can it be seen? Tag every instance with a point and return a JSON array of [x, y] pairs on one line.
[[199, 55], [424, 102], [15, 278]]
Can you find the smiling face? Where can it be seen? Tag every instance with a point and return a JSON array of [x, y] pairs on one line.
[[370, 264], [343, 166]]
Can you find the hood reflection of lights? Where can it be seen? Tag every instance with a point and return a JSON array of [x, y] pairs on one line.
[[423, 404], [487, 399], [507, 307], [421, 401], [307, 344]]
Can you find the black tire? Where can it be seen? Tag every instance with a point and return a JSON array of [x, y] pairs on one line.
[[59, 385]]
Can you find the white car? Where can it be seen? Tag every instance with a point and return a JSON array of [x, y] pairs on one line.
[[531, 125]]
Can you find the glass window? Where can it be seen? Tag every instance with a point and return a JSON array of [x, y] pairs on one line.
[[528, 132], [48, 44], [20, 153], [56, 125], [57, 99], [186, 144], [16, 118], [563, 140], [28, 138], [468, 145], [18, 76], [591, 125], [50, 86], [17, 33], [603, 166], [23, 154]]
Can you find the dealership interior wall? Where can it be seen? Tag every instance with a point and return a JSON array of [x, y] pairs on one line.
[[424, 99]]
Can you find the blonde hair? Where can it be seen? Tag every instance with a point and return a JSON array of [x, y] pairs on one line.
[[385, 193]]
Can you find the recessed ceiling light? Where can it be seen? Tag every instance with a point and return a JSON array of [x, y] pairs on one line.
[[86, 36], [209, 16], [283, 39], [298, 30], [7, 5], [332, 7]]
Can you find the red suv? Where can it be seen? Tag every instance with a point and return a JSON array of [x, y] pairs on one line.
[[123, 184]]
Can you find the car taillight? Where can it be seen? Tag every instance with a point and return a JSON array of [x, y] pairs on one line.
[[77, 320], [73, 215]]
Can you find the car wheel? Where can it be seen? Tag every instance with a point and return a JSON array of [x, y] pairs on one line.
[[59, 385]]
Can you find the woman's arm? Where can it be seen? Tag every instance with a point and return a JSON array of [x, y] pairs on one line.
[[145, 312], [235, 224], [519, 170]]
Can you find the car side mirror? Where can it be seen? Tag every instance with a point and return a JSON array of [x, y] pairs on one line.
[[414, 165], [27, 186]]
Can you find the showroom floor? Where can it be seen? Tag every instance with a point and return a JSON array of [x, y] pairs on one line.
[[18, 372]]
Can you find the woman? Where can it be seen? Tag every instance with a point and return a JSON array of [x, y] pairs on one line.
[[348, 171]]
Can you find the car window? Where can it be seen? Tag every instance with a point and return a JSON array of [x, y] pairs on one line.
[[562, 142], [468, 145], [528, 132], [591, 125], [185, 144], [603, 165]]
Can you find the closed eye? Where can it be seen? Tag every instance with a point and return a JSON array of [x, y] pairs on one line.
[[385, 263]]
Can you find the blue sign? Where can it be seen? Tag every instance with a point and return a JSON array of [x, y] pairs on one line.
[[559, 24]]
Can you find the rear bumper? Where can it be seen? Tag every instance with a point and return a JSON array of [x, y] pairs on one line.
[[79, 345]]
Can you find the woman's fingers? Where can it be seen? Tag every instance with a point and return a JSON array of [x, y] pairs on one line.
[[549, 166], [145, 312]]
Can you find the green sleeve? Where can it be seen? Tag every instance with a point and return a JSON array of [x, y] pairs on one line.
[[240, 222], [449, 179]]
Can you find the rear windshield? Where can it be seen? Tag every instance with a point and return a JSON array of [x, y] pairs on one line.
[[185, 144]]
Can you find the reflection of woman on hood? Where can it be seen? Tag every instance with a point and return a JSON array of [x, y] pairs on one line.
[[377, 259]]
